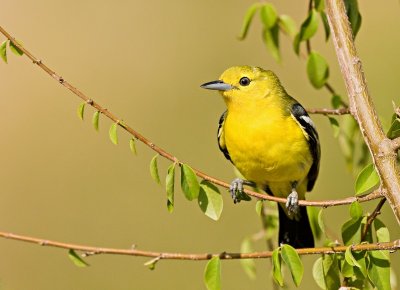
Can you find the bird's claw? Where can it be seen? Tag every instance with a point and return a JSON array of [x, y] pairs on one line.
[[236, 190], [292, 203]]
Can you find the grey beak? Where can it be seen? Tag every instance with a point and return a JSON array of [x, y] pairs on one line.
[[217, 85]]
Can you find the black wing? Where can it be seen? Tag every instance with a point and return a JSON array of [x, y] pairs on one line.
[[300, 114], [221, 137]]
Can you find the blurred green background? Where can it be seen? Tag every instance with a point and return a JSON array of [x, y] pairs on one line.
[[144, 61]]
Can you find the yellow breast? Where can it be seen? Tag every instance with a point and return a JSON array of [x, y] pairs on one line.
[[266, 145]]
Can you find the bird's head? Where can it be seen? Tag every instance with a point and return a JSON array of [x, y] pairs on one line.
[[243, 84]]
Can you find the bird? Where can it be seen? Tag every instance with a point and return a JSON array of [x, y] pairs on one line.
[[272, 141]]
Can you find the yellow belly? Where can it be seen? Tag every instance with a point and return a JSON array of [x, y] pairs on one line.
[[269, 149]]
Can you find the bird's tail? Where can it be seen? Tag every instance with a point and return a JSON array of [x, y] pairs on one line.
[[296, 233]]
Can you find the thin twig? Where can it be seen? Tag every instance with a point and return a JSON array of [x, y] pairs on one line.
[[323, 111], [168, 155], [391, 246], [371, 218]]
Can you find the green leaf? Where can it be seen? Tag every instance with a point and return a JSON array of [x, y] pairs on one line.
[[319, 5], [249, 266], [15, 49], [296, 43], [346, 269], [317, 70], [113, 133], [309, 26], [382, 232], [327, 29], [132, 145], [212, 274], [81, 110], [210, 200], [170, 187], [354, 15], [189, 183], [367, 179], [287, 24], [313, 214], [269, 16], [259, 207], [351, 231], [318, 273], [276, 267], [394, 130], [76, 259], [251, 11], [356, 210], [336, 101], [379, 270], [152, 263], [335, 126], [292, 260], [271, 39], [154, 169], [95, 120], [331, 271], [3, 51], [361, 268], [350, 259]]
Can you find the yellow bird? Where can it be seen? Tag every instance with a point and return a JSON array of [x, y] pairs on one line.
[[271, 140]]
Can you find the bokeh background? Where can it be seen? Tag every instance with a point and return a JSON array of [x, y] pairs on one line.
[[144, 61]]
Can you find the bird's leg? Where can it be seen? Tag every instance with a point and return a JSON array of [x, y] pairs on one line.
[[236, 189], [292, 203]]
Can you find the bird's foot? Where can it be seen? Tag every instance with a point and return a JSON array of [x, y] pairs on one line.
[[292, 203], [236, 190]]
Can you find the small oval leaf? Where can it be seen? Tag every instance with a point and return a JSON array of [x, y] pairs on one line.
[[251, 11], [287, 24], [292, 260], [277, 267], [170, 187], [271, 39], [113, 133], [3, 51], [132, 146], [210, 200], [269, 16], [317, 70], [15, 49], [382, 232], [367, 179], [212, 274], [309, 26], [81, 110], [154, 169], [379, 270], [76, 259], [95, 120], [189, 183], [318, 273], [356, 210], [259, 207]]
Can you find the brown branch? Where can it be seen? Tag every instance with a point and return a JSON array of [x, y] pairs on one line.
[[361, 105], [392, 246], [372, 217], [323, 111], [396, 144], [169, 156]]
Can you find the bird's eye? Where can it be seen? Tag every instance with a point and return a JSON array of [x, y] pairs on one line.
[[244, 81]]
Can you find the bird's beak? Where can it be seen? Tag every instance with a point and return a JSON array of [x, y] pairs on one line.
[[217, 85]]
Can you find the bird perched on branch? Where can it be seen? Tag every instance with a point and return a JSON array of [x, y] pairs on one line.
[[271, 140]]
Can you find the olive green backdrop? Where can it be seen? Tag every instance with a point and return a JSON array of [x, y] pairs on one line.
[[144, 61]]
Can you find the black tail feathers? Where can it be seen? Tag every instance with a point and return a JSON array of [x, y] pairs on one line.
[[296, 233]]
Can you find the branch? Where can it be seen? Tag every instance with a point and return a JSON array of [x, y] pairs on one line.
[[341, 111], [361, 105], [371, 218], [172, 158], [391, 246], [396, 144]]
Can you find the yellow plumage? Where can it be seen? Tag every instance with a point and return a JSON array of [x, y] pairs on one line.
[[266, 134]]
